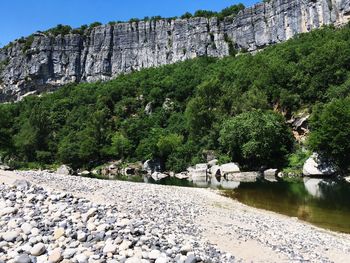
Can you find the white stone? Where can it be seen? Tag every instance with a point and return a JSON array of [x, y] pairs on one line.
[[64, 170], [229, 168], [124, 245], [38, 249], [10, 236], [154, 254], [314, 167], [110, 247], [26, 228], [8, 210], [81, 258]]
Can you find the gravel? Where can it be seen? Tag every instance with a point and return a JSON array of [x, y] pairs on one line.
[[56, 218]]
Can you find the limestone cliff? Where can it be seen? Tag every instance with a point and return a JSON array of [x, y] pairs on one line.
[[109, 50]]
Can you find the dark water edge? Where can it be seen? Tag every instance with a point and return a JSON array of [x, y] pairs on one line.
[[323, 203], [326, 204]]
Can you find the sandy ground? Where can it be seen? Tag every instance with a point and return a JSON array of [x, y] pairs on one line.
[[250, 234]]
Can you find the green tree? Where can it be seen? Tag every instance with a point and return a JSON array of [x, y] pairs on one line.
[[330, 134], [256, 138], [168, 143], [121, 145]]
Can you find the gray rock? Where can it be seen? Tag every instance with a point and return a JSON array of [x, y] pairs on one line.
[[270, 175], [22, 185], [109, 50], [69, 253], [315, 167], [64, 170], [23, 258], [151, 166], [229, 168]]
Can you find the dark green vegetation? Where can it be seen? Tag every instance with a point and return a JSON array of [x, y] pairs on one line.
[[329, 209], [331, 125], [197, 105], [256, 138]]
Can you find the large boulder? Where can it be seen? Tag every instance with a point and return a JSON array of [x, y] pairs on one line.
[[270, 175], [151, 166], [64, 170], [199, 174], [315, 167], [229, 168]]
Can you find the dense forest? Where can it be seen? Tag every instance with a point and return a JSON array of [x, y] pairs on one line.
[[236, 106]]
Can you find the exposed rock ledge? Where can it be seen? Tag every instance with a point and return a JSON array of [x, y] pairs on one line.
[[110, 50], [123, 221]]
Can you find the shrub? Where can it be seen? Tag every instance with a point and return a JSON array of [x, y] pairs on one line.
[[256, 138], [60, 30]]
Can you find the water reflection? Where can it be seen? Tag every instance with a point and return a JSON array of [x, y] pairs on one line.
[[320, 202], [312, 186]]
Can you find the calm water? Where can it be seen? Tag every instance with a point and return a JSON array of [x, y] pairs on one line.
[[322, 203]]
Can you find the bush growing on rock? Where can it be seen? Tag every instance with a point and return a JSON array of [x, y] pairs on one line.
[[256, 138]]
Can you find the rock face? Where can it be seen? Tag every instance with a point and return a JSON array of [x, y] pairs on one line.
[[109, 50]]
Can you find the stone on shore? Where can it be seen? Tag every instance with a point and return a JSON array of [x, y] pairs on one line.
[[38, 249], [315, 167], [64, 170]]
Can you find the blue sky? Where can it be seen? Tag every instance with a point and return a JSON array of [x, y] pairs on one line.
[[23, 17]]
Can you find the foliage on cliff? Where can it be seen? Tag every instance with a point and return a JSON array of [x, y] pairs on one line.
[[188, 104]]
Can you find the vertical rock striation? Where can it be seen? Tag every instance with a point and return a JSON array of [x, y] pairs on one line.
[[109, 50]]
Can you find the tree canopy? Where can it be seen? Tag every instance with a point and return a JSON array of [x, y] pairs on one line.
[[190, 106]]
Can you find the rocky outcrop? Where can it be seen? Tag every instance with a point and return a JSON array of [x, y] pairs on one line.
[[106, 51], [314, 166]]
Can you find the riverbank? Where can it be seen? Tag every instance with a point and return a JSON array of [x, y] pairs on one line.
[[177, 224]]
